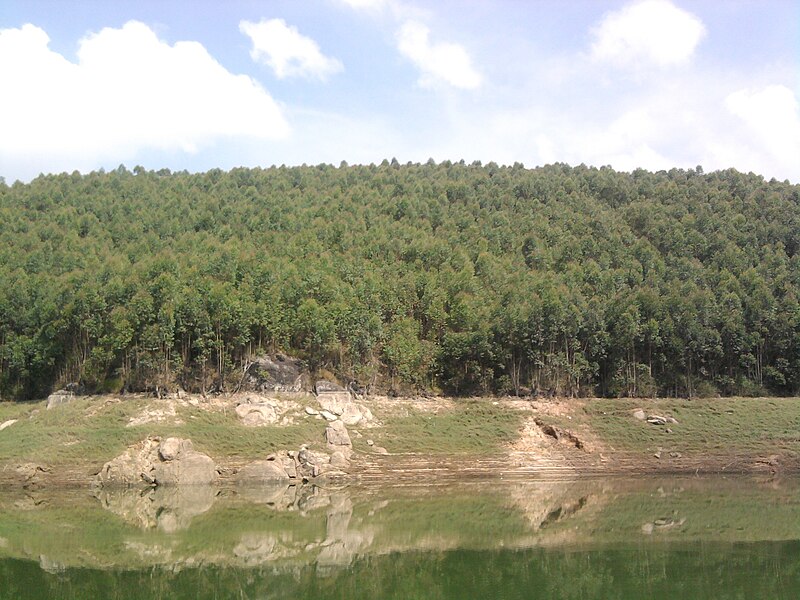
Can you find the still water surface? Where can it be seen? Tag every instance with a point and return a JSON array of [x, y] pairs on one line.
[[619, 539]]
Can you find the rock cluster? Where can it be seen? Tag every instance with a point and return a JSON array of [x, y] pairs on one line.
[[337, 403], [172, 461], [302, 465]]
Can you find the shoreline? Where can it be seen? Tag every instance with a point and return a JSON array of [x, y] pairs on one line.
[[561, 438], [553, 439]]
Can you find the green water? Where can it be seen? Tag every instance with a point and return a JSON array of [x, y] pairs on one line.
[[627, 539]]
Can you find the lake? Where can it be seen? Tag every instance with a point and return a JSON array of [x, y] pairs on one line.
[[709, 537]]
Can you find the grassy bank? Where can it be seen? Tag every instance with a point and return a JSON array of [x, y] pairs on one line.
[[90, 431], [711, 426]]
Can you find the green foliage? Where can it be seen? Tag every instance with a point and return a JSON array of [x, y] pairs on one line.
[[470, 278]]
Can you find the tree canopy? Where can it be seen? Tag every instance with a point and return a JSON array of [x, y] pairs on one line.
[[465, 278]]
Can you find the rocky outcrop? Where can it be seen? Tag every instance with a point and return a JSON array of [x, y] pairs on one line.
[[332, 397], [65, 395], [337, 402], [152, 461], [278, 373]]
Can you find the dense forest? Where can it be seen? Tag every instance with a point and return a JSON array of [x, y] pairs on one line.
[[453, 277]]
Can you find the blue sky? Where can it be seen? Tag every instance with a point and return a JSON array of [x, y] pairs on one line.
[[199, 84]]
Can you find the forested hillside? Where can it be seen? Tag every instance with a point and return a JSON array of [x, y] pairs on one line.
[[462, 278]]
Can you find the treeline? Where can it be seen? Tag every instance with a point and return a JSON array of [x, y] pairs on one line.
[[464, 278]]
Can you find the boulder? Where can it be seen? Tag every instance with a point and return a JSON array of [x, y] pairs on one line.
[[8, 423], [59, 397], [337, 437], [339, 460], [332, 397], [278, 373], [639, 414], [352, 414], [132, 467], [262, 471], [328, 416], [172, 448], [324, 386], [311, 411], [256, 415], [190, 468]]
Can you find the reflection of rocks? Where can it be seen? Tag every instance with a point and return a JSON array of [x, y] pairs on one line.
[[169, 509], [51, 566], [278, 495], [255, 548], [342, 542], [662, 524]]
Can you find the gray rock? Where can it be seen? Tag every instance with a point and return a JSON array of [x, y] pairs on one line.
[[290, 466], [172, 448], [311, 411], [351, 414], [328, 416], [256, 415], [339, 460], [192, 468], [380, 450], [656, 420], [58, 398], [8, 423], [132, 467], [278, 373], [336, 435], [323, 386], [332, 397], [639, 414], [262, 471]]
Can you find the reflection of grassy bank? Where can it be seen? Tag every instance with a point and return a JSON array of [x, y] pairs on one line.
[[294, 528]]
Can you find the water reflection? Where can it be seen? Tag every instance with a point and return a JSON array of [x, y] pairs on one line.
[[313, 534]]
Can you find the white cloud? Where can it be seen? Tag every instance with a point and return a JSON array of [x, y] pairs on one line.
[[772, 118], [649, 32], [372, 5], [128, 92], [287, 52], [442, 61]]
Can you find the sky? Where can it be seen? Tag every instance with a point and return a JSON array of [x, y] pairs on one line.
[[199, 84]]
